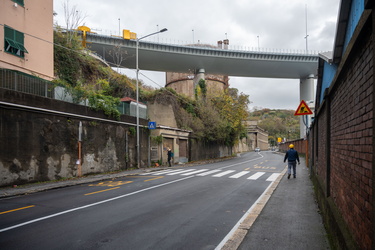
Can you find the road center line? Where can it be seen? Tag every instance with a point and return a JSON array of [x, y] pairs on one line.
[[91, 205], [105, 190], [17, 209]]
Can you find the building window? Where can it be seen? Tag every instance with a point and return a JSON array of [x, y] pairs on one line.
[[20, 2], [13, 42]]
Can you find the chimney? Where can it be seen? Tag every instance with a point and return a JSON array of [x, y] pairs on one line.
[[220, 44], [226, 43]]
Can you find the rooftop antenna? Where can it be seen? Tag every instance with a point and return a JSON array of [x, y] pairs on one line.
[[306, 27], [157, 30], [119, 30]]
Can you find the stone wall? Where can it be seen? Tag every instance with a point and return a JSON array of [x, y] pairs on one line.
[[201, 151], [39, 140], [38, 145]]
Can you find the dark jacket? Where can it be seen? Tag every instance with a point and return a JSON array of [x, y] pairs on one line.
[[291, 155], [170, 154]]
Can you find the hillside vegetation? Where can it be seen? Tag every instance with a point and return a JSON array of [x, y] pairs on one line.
[[278, 123], [213, 119]]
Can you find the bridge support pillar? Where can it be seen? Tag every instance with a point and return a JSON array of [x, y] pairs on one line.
[[199, 74], [306, 93]]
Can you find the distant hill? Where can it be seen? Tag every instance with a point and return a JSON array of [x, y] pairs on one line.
[[278, 123]]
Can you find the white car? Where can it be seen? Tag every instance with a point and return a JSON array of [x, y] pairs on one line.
[[257, 149]]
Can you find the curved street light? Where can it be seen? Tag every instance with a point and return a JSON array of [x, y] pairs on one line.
[[137, 90]]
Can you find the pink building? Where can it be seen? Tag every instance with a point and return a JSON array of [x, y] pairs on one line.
[[26, 37]]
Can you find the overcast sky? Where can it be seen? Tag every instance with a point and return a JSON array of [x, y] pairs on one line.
[[269, 24]]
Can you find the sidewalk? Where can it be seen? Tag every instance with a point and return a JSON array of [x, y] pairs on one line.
[[290, 219]]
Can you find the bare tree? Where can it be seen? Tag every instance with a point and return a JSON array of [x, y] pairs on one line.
[[118, 54], [73, 18]]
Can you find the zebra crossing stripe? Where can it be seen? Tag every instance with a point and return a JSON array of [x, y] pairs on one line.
[[223, 173], [238, 175], [256, 176], [182, 171], [209, 172], [195, 172], [273, 177], [166, 171], [219, 173]]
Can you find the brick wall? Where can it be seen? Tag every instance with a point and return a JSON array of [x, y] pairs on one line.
[[299, 145], [351, 143], [342, 145]]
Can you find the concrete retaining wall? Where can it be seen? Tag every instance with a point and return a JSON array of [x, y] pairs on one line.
[[37, 145]]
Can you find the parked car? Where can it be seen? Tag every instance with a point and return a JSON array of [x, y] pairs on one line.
[[257, 149]]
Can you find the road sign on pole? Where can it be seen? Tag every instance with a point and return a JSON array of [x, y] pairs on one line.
[[303, 109], [152, 125]]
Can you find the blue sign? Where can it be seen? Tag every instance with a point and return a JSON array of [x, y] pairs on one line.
[[152, 125]]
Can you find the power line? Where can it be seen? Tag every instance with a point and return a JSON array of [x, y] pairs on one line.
[[84, 52]]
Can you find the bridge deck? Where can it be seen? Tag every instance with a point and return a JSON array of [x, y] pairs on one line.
[[177, 58]]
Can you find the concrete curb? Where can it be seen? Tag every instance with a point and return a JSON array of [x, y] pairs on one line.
[[236, 239]]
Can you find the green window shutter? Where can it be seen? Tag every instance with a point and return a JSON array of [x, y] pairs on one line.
[[8, 32], [18, 36], [20, 2], [14, 42]]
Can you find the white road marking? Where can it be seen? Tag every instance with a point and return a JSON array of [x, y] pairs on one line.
[[230, 234], [273, 177], [223, 173], [238, 175], [195, 172], [182, 171], [159, 172], [167, 171], [256, 176], [91, 205], [209, 172]]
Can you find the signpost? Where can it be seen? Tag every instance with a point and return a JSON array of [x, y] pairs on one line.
[[303, 109]]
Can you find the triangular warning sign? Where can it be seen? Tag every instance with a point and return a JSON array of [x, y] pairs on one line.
[[303, 109]]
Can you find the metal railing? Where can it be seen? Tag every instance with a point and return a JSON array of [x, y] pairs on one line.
[[21, 82]]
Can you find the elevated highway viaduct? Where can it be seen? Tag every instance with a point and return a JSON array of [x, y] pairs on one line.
[[119, 52]]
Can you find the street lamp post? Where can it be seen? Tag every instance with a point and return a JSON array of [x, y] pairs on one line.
[[137, 90]]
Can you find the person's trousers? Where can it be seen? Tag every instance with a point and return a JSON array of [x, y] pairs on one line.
[[292, 164]]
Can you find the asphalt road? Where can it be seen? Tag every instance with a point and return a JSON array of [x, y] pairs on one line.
[[179, 208]]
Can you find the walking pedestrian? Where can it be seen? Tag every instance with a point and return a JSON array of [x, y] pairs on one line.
[[292, 156], [170, 154]]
